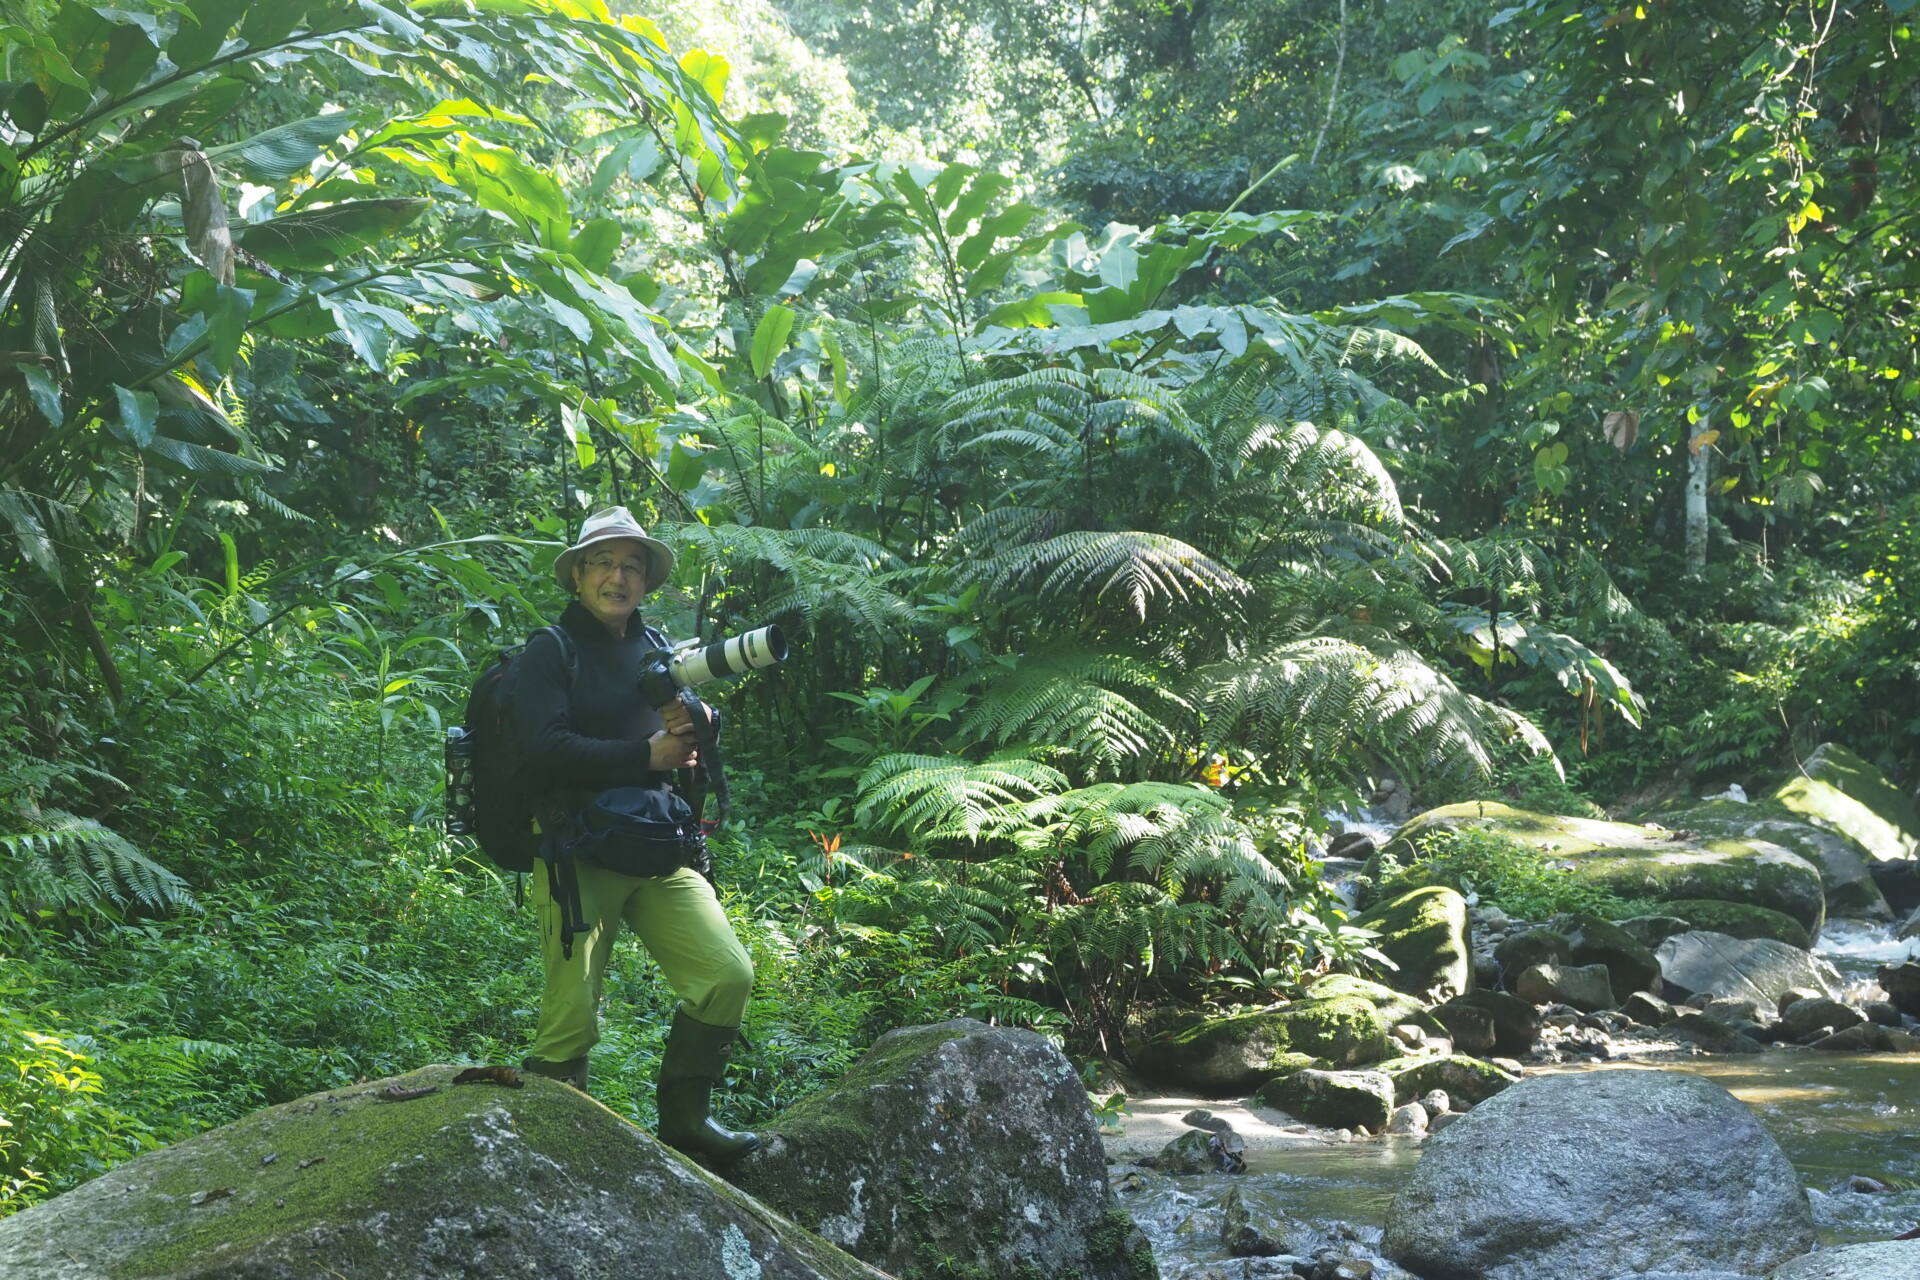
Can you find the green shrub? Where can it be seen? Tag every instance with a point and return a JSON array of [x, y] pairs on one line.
[[57, 1126], [1517, 878]]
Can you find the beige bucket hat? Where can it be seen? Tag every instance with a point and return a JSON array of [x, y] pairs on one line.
[[615, 522]]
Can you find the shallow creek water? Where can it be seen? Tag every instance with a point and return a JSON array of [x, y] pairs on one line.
[[1834, 1115]]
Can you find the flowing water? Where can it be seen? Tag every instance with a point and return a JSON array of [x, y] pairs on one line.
[[1837, 1117]]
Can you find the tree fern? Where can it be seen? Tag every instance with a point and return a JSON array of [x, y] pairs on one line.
[[1137, 571], [1105, 707], [1324, 693], [67, 861], [819, 572], [946, 798]]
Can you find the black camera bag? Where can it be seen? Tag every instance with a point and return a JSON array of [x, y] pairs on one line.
[[640, 831]]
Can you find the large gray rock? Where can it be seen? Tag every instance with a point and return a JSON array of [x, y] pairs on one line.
[[1803, 1018], [1884, 1260], [956, 1146], [1587, 987], [1712, 1034], [465, 1181], [1598, 1175], [1516, 1024], [1759, 969], [1902, 984]]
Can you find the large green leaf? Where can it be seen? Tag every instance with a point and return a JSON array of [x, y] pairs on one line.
[[44, 392], [282, 151], [17, 509], [198, 457], [770, 338], [138, 410], [315, 238], [203, 27], [499, 179], [226, 310], [596, 244]]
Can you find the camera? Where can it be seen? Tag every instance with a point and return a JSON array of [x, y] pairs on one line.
[[664, 673]]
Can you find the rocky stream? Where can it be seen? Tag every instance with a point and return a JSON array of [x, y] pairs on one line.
[[1849, 1124]]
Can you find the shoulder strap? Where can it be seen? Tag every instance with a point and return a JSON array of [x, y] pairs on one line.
[[568, 654]]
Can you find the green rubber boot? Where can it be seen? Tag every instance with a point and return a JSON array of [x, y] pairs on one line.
[[573, 1071], [695, 1059]]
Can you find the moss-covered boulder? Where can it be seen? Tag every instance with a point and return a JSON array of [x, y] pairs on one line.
[[1845, 875], [952, 1149], [1394, 1007], [1230, 1056], [416, 1176], [1336, 1099], [1739, 920], [1839, 790], [1424, 932], [1630, 964], [1643, 861], [1465, 1080]]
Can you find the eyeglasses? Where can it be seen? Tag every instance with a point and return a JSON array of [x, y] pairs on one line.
[[608, 564]]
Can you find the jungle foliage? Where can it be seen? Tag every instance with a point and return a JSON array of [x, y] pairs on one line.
[[1143, 471]]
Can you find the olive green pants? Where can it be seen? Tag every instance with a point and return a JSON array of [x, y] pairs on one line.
[[677, 919]]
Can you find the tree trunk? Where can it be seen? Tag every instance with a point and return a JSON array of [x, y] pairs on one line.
[[1699, 455]]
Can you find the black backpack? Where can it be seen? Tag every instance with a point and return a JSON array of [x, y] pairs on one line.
[[487, 797]]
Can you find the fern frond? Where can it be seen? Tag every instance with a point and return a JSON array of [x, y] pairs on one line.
[[949, 798], [1106, 707], [1322, 692], [259, 495], [1135, 569], [65, 860]]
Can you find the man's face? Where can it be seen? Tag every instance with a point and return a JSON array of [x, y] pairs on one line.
[[611, 577]]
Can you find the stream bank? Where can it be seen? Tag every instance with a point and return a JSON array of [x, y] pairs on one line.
[[1837, 1117], [1847, 1123]]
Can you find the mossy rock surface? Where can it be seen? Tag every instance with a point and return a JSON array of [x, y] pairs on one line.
[[1394, 1007], [467, 1180], [1839, 790], [1424, 932], [1738, 920], [1845, 875], [1466, 1080], [1644, 861], [956, 1149], [1336, 1099], [1230, 1055]]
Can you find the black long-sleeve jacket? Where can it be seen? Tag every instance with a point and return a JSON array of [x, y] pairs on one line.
[[585, 737]]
